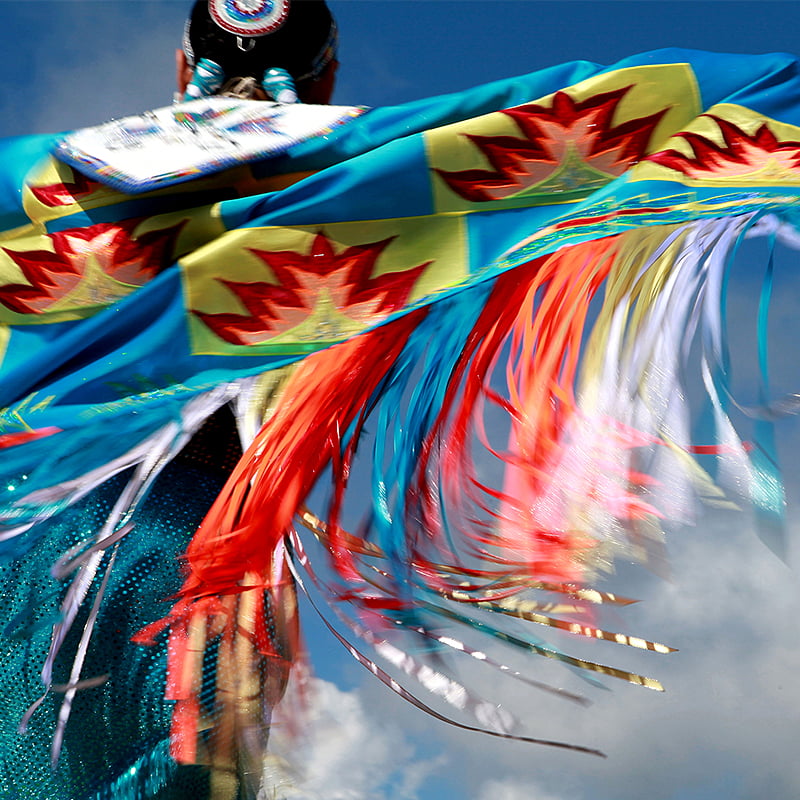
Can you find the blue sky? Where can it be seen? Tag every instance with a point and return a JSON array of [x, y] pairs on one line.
[[725, 729], [71, 62]]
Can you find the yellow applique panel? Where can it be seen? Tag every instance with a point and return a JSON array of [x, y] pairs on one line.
[[562, 147], [288, 290], [73, 273], [729, 145]]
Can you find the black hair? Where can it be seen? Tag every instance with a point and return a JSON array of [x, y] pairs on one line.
[[303, 45]]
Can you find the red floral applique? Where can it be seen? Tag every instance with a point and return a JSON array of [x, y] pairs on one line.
[[740, 154], [343, 279], [567, 128], [51, 276]]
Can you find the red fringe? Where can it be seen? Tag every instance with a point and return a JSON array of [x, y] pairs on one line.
[[238, 537], [541, 307]]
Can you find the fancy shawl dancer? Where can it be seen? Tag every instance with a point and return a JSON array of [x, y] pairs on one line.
[[468, 320]]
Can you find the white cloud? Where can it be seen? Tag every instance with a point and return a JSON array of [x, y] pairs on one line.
[[347, 753], [514, 790], [726, 725], [91, 62]]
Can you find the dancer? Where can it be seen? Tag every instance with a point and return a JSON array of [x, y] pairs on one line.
[[569, 230], [228, 52]]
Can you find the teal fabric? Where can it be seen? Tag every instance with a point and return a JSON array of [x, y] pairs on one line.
[[116, 744]]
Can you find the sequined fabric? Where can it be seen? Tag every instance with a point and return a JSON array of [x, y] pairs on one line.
[[116, 743]]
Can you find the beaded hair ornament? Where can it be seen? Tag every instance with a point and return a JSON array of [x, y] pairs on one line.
[[250, 18]]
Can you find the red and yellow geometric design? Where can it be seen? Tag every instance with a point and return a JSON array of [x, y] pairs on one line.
[[53, 277], [728, 146], [295, 290], [54, 190], [564, 146]]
